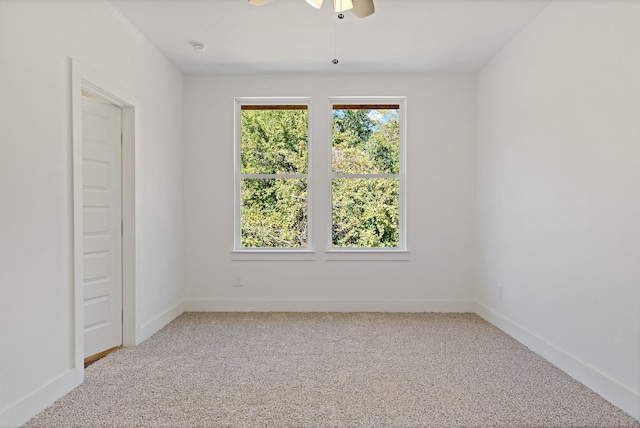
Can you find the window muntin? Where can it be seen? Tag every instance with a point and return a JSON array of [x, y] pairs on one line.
[[272, 175], [367, 175]]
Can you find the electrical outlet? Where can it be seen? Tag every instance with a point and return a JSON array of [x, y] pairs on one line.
[[239, 282], [499, 292]]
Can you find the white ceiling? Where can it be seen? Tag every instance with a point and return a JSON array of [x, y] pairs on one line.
[[291, 36]]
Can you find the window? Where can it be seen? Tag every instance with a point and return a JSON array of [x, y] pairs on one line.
[[272, 174], [361, 190], [367, 174]]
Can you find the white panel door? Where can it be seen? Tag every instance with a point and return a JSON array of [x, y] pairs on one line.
[[102, 225]]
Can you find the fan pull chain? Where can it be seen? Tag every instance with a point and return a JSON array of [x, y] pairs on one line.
[[335, 45], [335, 38]]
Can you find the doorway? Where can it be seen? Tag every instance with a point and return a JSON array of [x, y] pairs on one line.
[[102, 226], [104, 229]]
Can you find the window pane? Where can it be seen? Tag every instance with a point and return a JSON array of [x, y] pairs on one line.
[[274, 213], [365, 212], [274, 142], [366, 141]]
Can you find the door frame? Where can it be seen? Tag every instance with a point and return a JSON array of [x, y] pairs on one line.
[[85, 79]]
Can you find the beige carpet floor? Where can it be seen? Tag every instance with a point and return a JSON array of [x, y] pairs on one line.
[[329, 370]]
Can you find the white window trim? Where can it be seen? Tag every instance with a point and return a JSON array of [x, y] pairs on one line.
[[374, 254], [367, 254], [270, 254], [273, 254]]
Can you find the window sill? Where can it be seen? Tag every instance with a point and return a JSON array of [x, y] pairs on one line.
[[273, 255], [367, 255], [329, 255]]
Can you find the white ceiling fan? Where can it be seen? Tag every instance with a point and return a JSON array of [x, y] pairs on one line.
[[360, 8]]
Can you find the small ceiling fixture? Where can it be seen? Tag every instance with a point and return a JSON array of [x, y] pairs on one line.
[[198, 46], [360, 8]]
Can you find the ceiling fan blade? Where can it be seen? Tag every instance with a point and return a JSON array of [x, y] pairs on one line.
[[342, 5], [363, 8], [259, 2], [315, 3]]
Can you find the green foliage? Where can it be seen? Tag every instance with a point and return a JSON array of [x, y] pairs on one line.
[[274, 142], [352, 127], [366, 142], [364, 210], [274, 211]]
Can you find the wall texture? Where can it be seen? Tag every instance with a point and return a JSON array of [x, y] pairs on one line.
[[558, 200], [37, 41], [440, 187]]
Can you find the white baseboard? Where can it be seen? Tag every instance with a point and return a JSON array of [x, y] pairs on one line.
[[25, 408], [151, 327], [231, 305], [608, 388]]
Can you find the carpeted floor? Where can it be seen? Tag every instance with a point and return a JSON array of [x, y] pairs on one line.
[[329, 370]]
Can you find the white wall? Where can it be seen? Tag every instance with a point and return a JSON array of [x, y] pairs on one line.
[[37, 41], [558, 197], [557, 202], [441, 130]]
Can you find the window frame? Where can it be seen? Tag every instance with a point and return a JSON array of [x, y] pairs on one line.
[[370, 253], [267, 253]]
